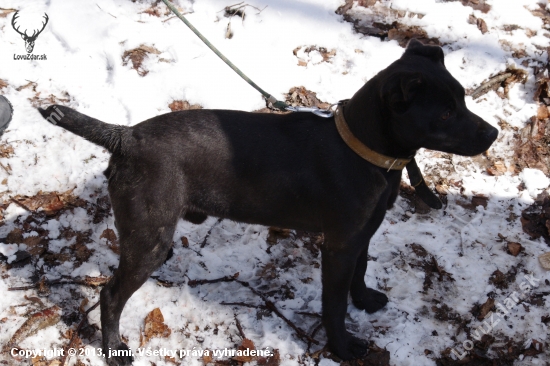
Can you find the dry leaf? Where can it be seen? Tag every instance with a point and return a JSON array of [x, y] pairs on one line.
[[246, 346], [155, 327], [112, 240], [514, 248]]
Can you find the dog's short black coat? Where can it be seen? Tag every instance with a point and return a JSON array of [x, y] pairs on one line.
[[291, 171]]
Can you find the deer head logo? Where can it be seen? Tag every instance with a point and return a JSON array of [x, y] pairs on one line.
[[29, 40]]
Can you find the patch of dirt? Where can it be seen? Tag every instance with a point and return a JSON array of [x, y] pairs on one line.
[[535, 219], [3, 84], [137, 56], [182, 105], [444, 313]]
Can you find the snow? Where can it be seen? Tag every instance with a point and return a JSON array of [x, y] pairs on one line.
[[84, 42]]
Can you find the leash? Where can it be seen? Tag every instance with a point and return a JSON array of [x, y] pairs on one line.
[[325, 113]]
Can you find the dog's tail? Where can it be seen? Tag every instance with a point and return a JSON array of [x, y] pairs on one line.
[[101, 133]]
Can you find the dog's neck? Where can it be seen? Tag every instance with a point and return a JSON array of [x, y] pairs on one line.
[[369, 122]]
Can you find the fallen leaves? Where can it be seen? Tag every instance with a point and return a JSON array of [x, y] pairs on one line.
[[154, 327], [182, 105], [313, 54], [137, 57], [49, 202], [300, 96]]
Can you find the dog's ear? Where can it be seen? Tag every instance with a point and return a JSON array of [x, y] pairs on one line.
[[415, 47], [400, 90]]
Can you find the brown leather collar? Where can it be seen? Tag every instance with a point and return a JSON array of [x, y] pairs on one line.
[[383, 161]]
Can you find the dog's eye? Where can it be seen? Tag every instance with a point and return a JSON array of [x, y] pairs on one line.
[[446, 115]]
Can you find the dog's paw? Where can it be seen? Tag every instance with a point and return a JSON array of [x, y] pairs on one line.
[[119, 356], [369, 300], [349, 347]]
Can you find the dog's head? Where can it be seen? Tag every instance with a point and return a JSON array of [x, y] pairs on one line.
[[425, 105]]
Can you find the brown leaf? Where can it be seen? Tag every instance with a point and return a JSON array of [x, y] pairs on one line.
[[185, 242], [498, 168], [137, 56], [49, 202], [96, 281], [155, 327], [481, 25], [207, 359], [243, 352], [6, 151], [36, 322], [274, 360], [112, 240], [485, 308], [514, 248]]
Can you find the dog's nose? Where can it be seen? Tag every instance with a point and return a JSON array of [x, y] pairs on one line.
[[491, 133]]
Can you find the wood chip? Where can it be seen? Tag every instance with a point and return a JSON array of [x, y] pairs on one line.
[[544, 260]]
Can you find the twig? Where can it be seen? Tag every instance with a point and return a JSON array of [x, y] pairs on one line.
[[244, 305], [315, 315], [20, 204], [239, 327], [483, 88], [271, 306], [203, 244], [75, 333], [268, 304], [195, 283], [54, 283], [106, 11], [230, 6], [317, 328]]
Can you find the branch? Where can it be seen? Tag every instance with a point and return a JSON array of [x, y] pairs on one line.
[[73, 337]]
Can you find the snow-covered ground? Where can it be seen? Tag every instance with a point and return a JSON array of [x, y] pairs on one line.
[[435, 266]]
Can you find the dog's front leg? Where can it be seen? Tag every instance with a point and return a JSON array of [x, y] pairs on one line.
[[338, 266], [363, 297]]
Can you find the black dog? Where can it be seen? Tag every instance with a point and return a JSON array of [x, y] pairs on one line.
[[295, 171]]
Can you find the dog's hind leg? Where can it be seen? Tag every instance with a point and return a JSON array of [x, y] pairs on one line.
[[146, 230]]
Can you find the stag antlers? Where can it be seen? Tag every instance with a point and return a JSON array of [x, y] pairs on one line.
[[29, 40]]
